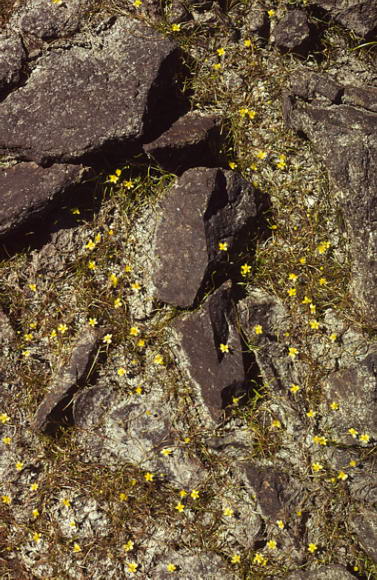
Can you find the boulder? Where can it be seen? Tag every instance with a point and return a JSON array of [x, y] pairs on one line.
[[194, 140], [205, 208], [364, 524], [12, 58], [29, 191], [292, 33], [331, 572], [272, 489], [342, 127], [218, 375], [357, 15], [85, 101]]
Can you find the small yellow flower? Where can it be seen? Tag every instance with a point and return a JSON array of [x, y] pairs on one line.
[[136, 286], [149, 476], [294, 388], [224, 347], [182, 493], [171, 567], [353, 432], [137, 3], [323, 247], [271, 544], [187, 440], [128, 546], [134, 331], [280, 524], [34, 487], [352, 463], [158, 359], [223, 246], [4, 418], [292, 352], [121, 371], [333, 337], [37, 537], [334, 406], [66, 502], [107, 339], [228, 512], [115, 177], [35, 513], [90, 245], [6, 440], [260, 559], [114, 280], [312, 308], [232, 164], [92, 265], [76, 548], [32, 287], [140, 342], [247, 42], [276, 423], [306, 300], [167, 451], [92, 321], [19, 465], [271, 13], [322, 281], [139, 390], [258, 329], [128, 268], [62, 328], [28, 336], [176, 27], [317, 466], [194, 494], [364, 437], [132, 567], [75, 211], [302, 260], [314, 324], [26, 353], [343, 476], [53, 334], [117, 303], [311, 413], [292, 277], [235, 559], [180, 507], [216, 66], [291, 291], [245, 269], [123, 496], [72, 524], [261, 154], [220, 51], [312, 548], [6, 499]]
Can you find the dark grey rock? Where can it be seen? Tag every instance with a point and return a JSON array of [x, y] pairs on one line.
[[219, 376], [331, 572], [66, 381], [12, 58], [292, 33], [194, 140], [344, 133], [364, 524], [204, 207], [7, 334], [256, 20], [272, 489], [81, 100], [357, 15], [29, 191]]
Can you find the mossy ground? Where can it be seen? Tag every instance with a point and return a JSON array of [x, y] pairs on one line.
[[100, 275]]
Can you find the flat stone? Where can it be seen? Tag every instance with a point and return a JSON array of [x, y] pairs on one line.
[[206, 207], [61, 113], [194, 140], [272, 489], [292, 33], [66, 381], [331, 572], [218, 376], [364, 524], [12, 58], [344, 133], [7, 334], [29, 191], [357, 15]]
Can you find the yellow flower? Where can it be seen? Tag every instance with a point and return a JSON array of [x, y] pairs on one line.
[[312, 308], [306, 300], [194, 494], [258, 329], [232, 164], [19, 465], [137, 3], [32, 287], [353, 432], [314, 324], [245, 269], [302, 260], [235, 559], [352, 463], [117, 303], [176, 27], [139, 390], [276, 423], [292, 277], [180, 507], [291, 291], [271, 13], [132, 567], [220, 51], [364, 437], [171, 567], [134, 331], [4, 418], [92, 321], [66, 502], [223, 246], [92, 265], [311, 413], [158, 359], [333, 337], [6, 499], [271, 544], [75, 211], [35, 513], [115, 178], [182, 493], [107, 339], [317, 466], [149, 476], [123, 496], [76, 548], [26, 353], [343, 476], [34, 487], [37, 537], [320, 440], [72, 524], [53, 334], [136, 286], [130, 184], [323, 247], [260, 559], [140, 342], [216, 66], [127, 268], [312, 548], [294, 388], [128, 546], [224, 347], [62, 328], [228, 512], [121, 371], [90, 245], [292, 352], [261, 154], [280, 524], [322, 281], [28, 336], [334, 406], [167, 451], [247, 42], [6, 440], [114, 280]]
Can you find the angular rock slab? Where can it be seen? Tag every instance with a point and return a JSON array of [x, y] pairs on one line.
[[192, 141], [79, 101], [331, 572], [364, 524], [357, 15], [292, 33], [28, 191], [273, 490], [341, 122], [218, 376], [12, 57], [204, 207]]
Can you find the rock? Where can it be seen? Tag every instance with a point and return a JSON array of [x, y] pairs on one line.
[[256, 20], [331, 572], [357, 15], [364, 524], [272, 489], [48, 20], [355, 389], [207, 207], [344, 133], [29, 191], [63, 102], [218, 376], [194, 140], [12, 58], [292, 33], [7, 334], [193, 565], [66, 381]]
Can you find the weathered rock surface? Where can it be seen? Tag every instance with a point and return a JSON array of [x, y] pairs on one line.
[[63, 100], [206, 207], [357, 15], [7, 334], [292, 33], [219, 376], [272, 489], [343, 130], [364, 524], [66, 381], [29, 191], [199, 565], [256, 21], [332, 572], [193, 141], [12, 57]]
